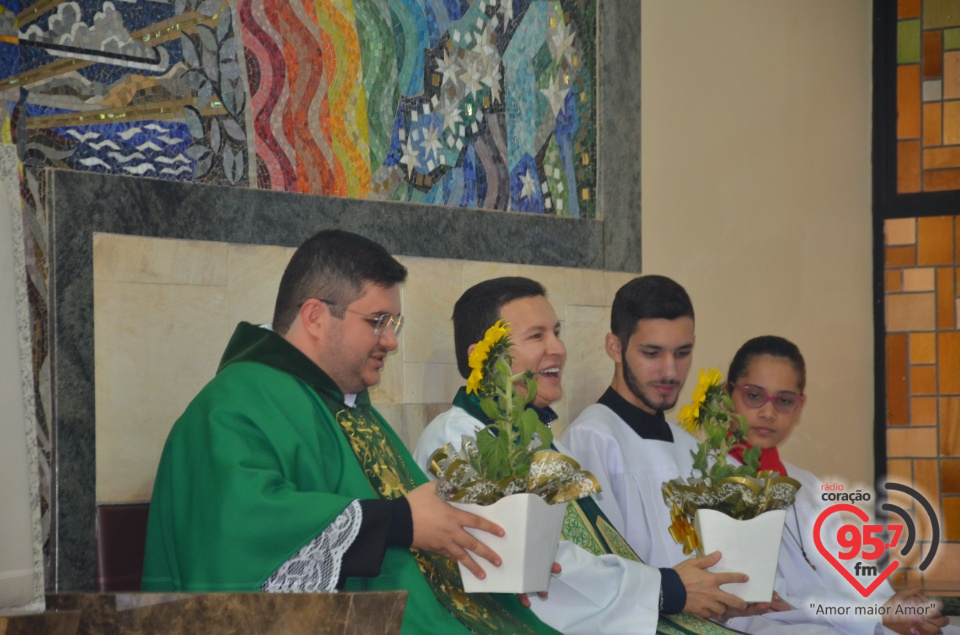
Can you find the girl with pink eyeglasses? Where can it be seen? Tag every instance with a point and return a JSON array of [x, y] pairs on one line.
[[766, 381]]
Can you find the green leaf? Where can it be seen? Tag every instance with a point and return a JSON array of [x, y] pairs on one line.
[[528, 427], [546, 435], [489, 407], [700, 459], [717, 434], [489, 461], [503, 456], [520, 461], [531, 386], [719, 471], [751, 457]]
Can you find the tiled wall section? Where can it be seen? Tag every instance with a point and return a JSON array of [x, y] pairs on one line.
[[928, 95], [922, 294], [164, 310]]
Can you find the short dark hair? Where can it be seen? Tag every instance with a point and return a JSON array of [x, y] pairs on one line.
[[479, 308], [774, 346], [332, 265], [647, 298]]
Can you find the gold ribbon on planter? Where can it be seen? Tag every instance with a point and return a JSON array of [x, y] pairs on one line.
[[683, 532], [740, 497], [555, 477]]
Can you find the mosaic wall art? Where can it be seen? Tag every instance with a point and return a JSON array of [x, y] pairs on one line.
[[483, 104], [486, 104]]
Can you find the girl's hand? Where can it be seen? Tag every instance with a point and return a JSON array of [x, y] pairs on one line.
[[778, 604], [910, 624]]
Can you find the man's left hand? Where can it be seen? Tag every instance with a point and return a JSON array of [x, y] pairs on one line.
[[525, 601]]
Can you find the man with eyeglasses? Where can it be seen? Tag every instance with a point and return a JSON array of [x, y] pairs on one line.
[[281, 477]]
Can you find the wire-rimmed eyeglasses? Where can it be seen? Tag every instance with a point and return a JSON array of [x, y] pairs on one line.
[[381, 323]]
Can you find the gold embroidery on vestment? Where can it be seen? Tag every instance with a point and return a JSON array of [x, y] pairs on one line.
[[390, 477]]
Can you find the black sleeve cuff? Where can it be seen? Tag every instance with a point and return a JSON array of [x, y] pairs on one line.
[[673, 595], [386, 523], [401, 524]]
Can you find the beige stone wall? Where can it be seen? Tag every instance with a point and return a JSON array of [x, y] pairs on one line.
[[164, 310], [757, 194]]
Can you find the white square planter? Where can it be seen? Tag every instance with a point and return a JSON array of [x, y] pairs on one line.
[[527, 549], [748, 546]]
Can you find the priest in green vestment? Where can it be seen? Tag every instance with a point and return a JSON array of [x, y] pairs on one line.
[[280, 475]]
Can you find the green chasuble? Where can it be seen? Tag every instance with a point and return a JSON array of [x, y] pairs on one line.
[[587, 526], [263, 460]]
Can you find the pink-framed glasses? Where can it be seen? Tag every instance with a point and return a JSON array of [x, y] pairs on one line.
[[755, 397]]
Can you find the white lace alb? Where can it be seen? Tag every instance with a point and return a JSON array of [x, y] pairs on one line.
[[316, 567]]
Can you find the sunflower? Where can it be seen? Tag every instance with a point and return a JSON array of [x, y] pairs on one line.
[[709, 382], [512, 452], [473, 381], [689, 417], [492, 339]]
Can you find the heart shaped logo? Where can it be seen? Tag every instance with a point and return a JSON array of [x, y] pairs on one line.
[[862, 515]]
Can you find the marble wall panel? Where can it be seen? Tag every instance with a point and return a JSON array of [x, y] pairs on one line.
[[393, 412], [562, 285], [589, 370], [254, 272], [80, 206], [474, 272], [613, 280], [390, 388], [159, 333], [429, 383], [155, 345], [21, 540], [151, 261], [238, 613], [589, 288], [427, 305], [414, 417]]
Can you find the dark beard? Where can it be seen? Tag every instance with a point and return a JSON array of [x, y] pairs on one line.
[[634, 386]]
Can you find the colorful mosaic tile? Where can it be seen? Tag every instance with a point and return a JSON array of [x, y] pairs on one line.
[[923, 363], [484, 104], [478, 104], [927, 94]]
